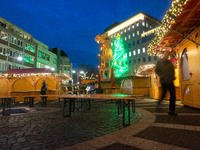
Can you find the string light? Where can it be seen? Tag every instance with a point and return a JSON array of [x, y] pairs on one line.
[[167, 22]]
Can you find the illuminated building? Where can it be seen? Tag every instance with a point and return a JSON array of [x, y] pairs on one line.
[[45, 58], [16, 47], [134, 35]]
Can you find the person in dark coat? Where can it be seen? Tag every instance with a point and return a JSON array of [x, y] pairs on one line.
[[165, 70], [43, 92]]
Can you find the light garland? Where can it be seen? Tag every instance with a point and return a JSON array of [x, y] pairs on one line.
[[144, 68], [167, 22], [36, 74]]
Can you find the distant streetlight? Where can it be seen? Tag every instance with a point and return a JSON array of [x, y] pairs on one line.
[[19, 58]]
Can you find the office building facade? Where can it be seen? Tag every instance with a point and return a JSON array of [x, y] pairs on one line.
[[16, 47], [135, 35]]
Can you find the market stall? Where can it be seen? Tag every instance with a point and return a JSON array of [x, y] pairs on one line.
[[21, 82]]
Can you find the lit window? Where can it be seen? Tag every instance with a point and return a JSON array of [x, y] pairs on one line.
[[124, 29], [150, 27], [40, 54], [134, 53], [133, 26], [129, 54], [111, 43], [121, 31], [147, 25], [129, 36], [32, 49], [143, 23], [27, 47], [143, 31], [129, 27], [4, 36], [25, 36], [137, 24], [21, 34], [138, 51], [26, 58], [143, 50], [138, 32], [13, 40], [133, 34], [125, 38], [126, 55], [31, 60]]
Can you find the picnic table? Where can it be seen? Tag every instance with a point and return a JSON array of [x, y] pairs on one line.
[[29, 99], [7, 101], [123, 102]]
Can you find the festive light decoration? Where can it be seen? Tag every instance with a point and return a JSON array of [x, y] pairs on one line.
[[119, 58], [64, 76], [167, 22], [143, 70]]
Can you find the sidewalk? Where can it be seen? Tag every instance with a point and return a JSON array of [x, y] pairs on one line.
[[100, 128]]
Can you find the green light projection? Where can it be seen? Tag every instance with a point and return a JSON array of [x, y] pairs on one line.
[[120, 59]]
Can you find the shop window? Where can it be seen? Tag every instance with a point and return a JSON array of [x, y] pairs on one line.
[[185, 66]]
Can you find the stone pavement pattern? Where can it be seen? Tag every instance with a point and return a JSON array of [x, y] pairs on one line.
[[100, 128]]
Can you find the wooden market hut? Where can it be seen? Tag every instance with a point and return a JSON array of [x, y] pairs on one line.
[[22, 82], [182, 35]]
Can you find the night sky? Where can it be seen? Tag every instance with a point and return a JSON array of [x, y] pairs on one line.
[[72, 25]]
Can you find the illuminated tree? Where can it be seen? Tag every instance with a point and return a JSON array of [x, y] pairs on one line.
[[120, 59]]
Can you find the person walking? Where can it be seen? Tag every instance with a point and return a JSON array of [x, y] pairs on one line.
[[165, 70]]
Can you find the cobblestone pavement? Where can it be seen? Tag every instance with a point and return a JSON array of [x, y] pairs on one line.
[[100, 128], [45, 128]]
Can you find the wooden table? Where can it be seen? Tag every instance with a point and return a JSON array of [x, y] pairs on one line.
[[123, 102], [30, 99], [7, 101]]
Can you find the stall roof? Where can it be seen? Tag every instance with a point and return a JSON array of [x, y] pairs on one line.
[[28, 71], [185, 23]]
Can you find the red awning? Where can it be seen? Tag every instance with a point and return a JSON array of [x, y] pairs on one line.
[[28, 70]]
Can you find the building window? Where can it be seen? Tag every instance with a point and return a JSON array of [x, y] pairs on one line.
[[144, 59], [27, 47], [143, 49], [149, 58], [19, 43], [139, 60], [11, 54], [125, 38], [129, 54], [133, 26], [143, 31], [121, 31], [39, 54], [138, 32], [13, 40], [10, 67], [137, 24], [143, 23], [147, 25], [111, 43], [133, 34], [32, 49], [54, 60], [4, 36], [138, 51], [121, 39], [129, 27], [129, 36], [129, 45], [31, 60], [138, 41], [133, 43], [26, 58], [124, 29], [155, 57], [134, 53]]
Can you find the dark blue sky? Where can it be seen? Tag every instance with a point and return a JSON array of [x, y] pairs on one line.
[[72, 25]]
